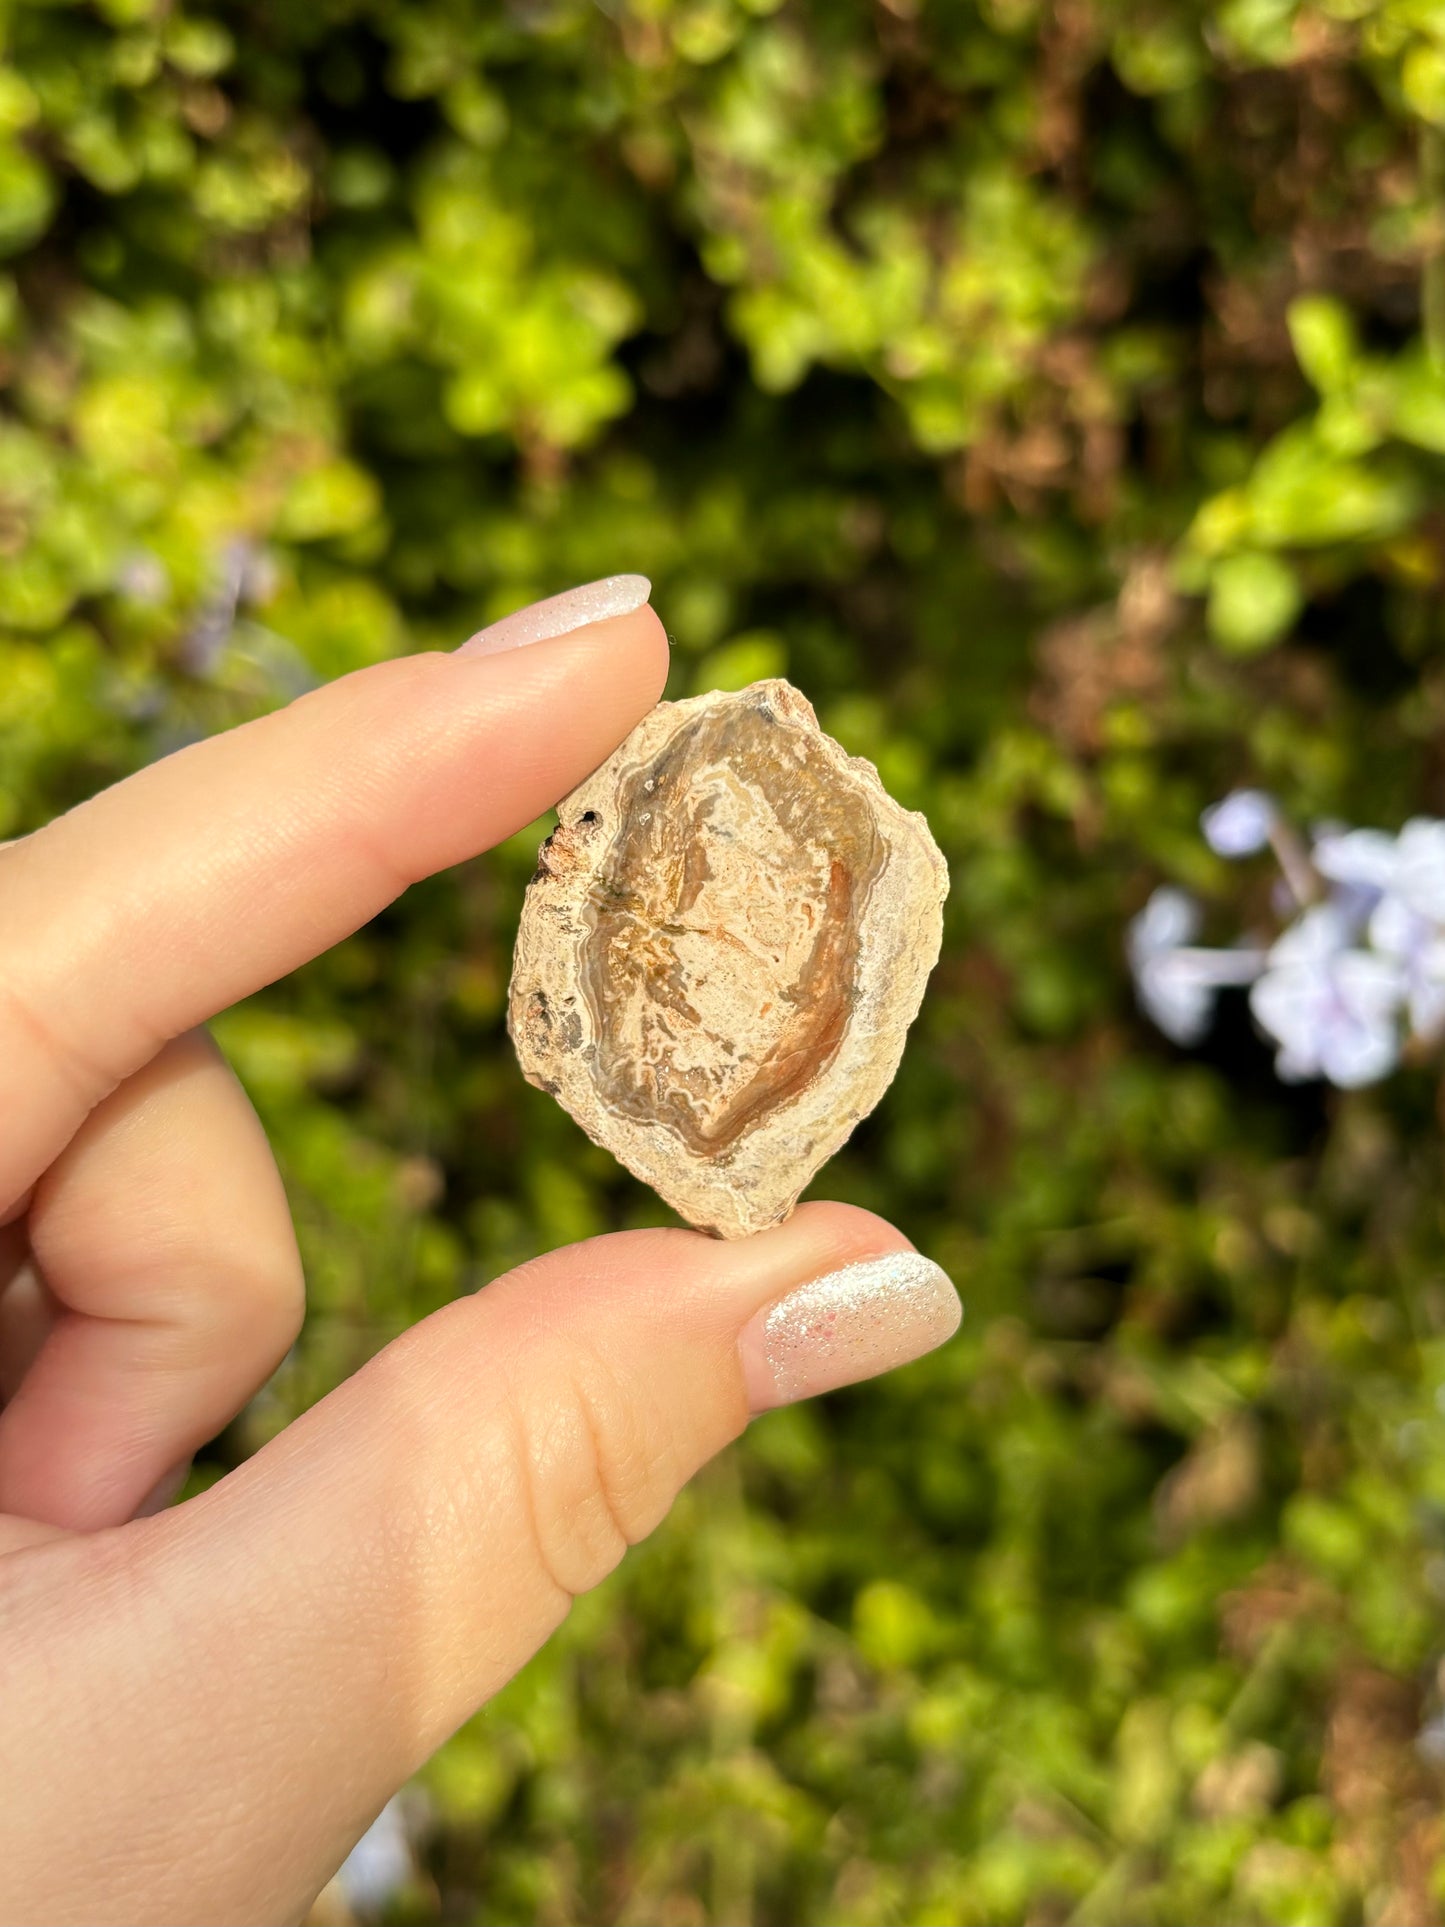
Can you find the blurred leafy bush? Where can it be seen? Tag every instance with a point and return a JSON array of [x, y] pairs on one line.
[[1057, 394]]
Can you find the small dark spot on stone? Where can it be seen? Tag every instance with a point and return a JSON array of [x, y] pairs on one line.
[[544, 864]]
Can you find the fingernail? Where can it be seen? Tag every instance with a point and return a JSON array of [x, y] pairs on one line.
[[162, 1492], [559, 615], [846, 1326]]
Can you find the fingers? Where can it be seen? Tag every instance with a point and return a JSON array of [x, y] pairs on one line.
[[27, 1311], [173, 1288], [145, 911], [376, 1572]]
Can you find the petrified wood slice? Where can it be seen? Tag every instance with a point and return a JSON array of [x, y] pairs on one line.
[[725, 942]]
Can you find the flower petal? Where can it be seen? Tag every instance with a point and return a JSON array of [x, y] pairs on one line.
[[1177, 1000], [1421, 878], [1171, 917], [1240, 824], [1361, 857], [1315, 936]]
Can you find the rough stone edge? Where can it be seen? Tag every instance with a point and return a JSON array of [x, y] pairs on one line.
[[744, 1194]]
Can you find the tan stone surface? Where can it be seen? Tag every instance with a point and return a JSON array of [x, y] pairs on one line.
[[725, 942]]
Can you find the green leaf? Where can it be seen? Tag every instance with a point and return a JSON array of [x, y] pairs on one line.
[[1253, 600], [1323, 333], [330, 500], [1417, 392], [746, 659], [1423, 78], [27, 198]]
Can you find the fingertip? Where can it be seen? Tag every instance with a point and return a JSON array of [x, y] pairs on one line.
[[677, 1283], [857, 1320], [846, 1231], [631, 642], [629, 652], [433, 757], [559, 615], [654, 649]]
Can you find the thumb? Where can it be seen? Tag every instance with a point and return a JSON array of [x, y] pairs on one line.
[[326, 1616]]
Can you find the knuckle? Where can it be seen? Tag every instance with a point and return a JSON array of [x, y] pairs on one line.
[[385, 853], [253, 1293], [596, 1472], [245, 1309], [270, 1303]]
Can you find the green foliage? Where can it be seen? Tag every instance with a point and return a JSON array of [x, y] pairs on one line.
[[1058, 396]]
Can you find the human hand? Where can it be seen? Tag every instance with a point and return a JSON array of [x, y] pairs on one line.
[[204, 1707]]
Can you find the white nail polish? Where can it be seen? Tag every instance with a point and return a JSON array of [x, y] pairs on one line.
[[559, 615]]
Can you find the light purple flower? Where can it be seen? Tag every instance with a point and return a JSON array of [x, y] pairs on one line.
[[1333, 1009], [1361, 864], [1430, 1741], [1241, 824], [260, 575], [1349, 977], [1181, 1008], [1358, 865], [1177, 983], [380, 1863], [1416, 945], [1247, 821], [1419, 879], [204, 646], [1171, 917], [143, 577], [1398, 884]]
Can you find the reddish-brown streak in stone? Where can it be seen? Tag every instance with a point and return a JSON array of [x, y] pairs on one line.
[[744, 803]]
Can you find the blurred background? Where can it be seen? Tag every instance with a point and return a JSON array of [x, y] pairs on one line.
[[1055, 391]]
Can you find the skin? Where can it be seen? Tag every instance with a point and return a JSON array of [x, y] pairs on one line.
[[206, 1706]]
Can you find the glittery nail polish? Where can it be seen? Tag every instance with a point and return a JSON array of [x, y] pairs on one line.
[[559, 615], [846, 1326]]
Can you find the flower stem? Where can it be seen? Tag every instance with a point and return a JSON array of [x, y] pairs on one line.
[[1294, 861]]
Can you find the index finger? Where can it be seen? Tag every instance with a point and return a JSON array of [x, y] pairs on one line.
[[146, 910]]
